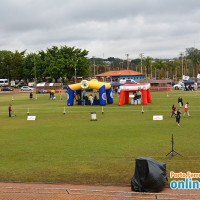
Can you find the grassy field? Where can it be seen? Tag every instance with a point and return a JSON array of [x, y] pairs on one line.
[[71, 148]]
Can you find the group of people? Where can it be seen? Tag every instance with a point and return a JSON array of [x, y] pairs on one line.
[[86, 100], [177, 113]]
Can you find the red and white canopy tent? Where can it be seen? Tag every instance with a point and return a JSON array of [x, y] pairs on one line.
[[144, 88]]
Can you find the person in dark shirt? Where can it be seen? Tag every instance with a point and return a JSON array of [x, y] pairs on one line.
[[10, 110], [95, 100], [180, 101], [173, 110], [178, 117], [83, 102], [86, 100], [31, 95]]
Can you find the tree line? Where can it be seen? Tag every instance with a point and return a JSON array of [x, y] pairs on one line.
[[186, 64], [62, 63], [54, 63]]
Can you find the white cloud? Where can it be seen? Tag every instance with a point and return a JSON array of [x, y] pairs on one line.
[[110, 27]]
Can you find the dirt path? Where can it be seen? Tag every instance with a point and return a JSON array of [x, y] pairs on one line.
[[42, 191]]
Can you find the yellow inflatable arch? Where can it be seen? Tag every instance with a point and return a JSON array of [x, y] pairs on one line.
[[105, 90]]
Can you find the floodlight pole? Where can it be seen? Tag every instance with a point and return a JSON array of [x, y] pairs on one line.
[[171, 153], [35, 69], [127, 55], [181, 54], [94, 64], [141, 55]]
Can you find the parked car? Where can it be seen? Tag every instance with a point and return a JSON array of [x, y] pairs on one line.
[[26, 88], [20, 84], [6, 89], [179, 86], [3, 82]]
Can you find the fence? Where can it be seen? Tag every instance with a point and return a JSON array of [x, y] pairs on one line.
[[157, 89], [19, 193]]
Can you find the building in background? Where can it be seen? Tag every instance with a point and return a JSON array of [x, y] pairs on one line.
[[121, 76]]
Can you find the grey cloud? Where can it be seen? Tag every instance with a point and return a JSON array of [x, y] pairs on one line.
[[114, 26]]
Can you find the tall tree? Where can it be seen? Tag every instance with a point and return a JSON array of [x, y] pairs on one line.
[[194, 54], [148, 64], [160, 65], [17, 66], [6, 64]]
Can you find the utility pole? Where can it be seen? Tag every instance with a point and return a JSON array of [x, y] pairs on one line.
[[181, 54], [75, 72], [94, 64], [8, 74], [127, 61], [34, 69], [141, 54], [121, 66]]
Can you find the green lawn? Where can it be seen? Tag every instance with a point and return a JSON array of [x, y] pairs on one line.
[[71, 148]]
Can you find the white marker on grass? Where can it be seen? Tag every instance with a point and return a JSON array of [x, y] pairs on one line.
[[142, 110], [64, 111]]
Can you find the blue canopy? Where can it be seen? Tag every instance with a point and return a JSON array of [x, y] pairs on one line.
[[189, 81]]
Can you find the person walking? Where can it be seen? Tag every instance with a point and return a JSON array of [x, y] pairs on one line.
[[52, 96], [10, 110], [173, 110], [180, 101], [178, 117], [186, 110], [31, 95]]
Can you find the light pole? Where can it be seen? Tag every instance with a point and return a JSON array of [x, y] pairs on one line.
[[75, 72], [141, 54], [181, 54], [34, 69], [122, 65], [8, 74], [94, 64], [127, 61]]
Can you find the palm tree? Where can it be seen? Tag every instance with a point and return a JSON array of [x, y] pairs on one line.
[[148, 64], [161, 67]]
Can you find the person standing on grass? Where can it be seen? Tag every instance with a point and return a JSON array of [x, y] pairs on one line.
[[91, 99], [178, 117], [180, 101], [10, 110], [31, 95], [186, 110], [173, 110]]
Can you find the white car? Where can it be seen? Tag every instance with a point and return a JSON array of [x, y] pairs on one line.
[[27, 88], [178, 86]]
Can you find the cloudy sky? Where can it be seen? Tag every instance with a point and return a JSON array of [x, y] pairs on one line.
[[157, 28]]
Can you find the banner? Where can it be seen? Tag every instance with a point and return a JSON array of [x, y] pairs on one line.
[[185, 78], [157, 117], [31, 118]]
